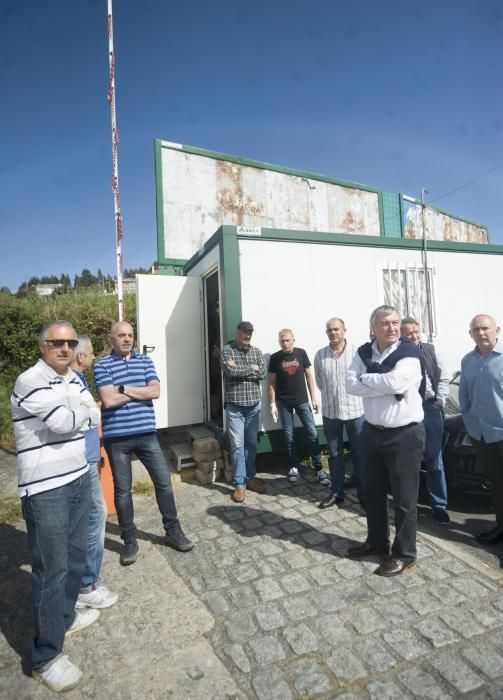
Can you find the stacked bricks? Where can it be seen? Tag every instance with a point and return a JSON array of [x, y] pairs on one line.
[[208, 458]]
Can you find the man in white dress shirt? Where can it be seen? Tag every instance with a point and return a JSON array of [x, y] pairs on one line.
[[387, 374]]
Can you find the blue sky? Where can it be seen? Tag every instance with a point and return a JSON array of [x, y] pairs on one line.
[[391, 94]]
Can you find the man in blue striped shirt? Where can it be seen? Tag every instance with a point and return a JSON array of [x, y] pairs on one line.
[[127, 383]]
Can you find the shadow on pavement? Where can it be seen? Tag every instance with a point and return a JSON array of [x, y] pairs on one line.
[[16, 620]]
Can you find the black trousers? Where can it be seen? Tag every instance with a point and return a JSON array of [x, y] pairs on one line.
[[392, 458], [490, 456]]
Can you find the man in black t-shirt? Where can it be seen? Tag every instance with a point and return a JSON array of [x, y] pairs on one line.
[[289, 372]]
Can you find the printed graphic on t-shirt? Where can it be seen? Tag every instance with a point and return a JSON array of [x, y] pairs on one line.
[[291, 367]]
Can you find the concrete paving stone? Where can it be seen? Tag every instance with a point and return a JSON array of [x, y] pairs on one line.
[[213, 582], [225, 559], [266, 649], [328, 599], [217, 603], [238, 656], [348, 569], [455, 566], [290, 513], [244, 552], [498, 603], [271, 531], [270, 684], [271, 567], [228, 542], [207, 534], [463, 622], [292, 544], [446, 593], [271, 518], [268, 549], [308, 678], [301, 639], [299, 608], [340, 544], [314, 537], [297, 560], [345, 666], [497, 638], [321, 553], [324, 575], [269, 617], [422, 685], [268, 589], [486, 659], [457, 672], [232, 514], [423, 550], [243, 597], [197, 584], [379, 690], [366, 620], [290, 526], [383, 586], [330, 515], [295, 583], [375, 655], [405, 644], [432, 572], [422, 602], [411, 579], [356, 592], [471, 587], [252, 524], [289, 502], [354, 528], [309, 508], [487, 614], [436, 632], [239, 625], [244, 572], [332, 628]]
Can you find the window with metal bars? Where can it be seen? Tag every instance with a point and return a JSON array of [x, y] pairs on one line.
[[405, 288]]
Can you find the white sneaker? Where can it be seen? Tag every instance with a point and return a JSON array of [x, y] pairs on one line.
[[99, 598], [293, 474], [83, 619], [60, 675], [323, 478]]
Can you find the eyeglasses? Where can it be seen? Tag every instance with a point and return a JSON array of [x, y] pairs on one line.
[[59, 343]]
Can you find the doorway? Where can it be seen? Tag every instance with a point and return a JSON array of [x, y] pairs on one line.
[[213, 348]]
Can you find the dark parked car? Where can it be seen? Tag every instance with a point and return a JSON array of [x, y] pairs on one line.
[[462, 470]]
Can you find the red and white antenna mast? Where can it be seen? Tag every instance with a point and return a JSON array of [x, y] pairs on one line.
[[115, 170]]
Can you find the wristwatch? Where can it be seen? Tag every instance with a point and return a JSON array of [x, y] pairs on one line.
[[121, 388]]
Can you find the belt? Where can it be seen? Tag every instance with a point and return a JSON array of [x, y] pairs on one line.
[[380, 428]]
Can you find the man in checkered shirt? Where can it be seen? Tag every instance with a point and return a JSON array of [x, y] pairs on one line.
[[243, 367]]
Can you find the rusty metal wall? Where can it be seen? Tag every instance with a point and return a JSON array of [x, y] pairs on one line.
[[440, 226], [202, 193]]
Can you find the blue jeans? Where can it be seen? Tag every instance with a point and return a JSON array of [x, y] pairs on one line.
[[146, 447], [242, 428], [305, 414], [334, 432], [56, 522], [95, 533], [432, 457]]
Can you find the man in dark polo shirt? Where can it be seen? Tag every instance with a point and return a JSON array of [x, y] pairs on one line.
[[127, 383], [289, 372]]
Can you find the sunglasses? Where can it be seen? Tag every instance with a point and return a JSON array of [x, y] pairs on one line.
[[59, 343]]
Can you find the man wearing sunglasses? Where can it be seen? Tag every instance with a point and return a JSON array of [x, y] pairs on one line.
[[51, 410]]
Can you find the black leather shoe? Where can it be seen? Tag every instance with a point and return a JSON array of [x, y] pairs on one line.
[[349, 481], [441, 515], [360, 551], [492, 536], [393, 567], [331, 500]]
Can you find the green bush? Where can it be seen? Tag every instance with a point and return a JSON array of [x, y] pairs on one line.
[[21, 319]]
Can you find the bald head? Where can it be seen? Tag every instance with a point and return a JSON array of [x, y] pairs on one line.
[[122, 338], [484, 331], [336, 330]]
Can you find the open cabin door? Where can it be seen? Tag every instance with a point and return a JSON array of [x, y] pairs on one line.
[[170, 330]]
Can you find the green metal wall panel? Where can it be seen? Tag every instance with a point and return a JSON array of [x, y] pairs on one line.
[[391, 215]]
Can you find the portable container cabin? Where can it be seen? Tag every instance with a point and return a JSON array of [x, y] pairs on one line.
[[284, 276]]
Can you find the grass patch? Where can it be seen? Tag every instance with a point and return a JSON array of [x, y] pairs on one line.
[[143, 488], [10, 509]]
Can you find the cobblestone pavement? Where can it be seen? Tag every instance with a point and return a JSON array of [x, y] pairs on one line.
[[266, 606]]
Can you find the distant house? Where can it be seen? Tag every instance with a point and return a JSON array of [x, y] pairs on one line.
[[46, 290], [128, 285]]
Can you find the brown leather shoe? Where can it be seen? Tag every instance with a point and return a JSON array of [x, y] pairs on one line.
[[239, 494], [393, 567], [256, 485]]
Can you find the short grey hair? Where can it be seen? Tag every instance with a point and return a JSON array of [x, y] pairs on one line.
[[385, 310], [84, 341], [409, 319], [42, 336], [336, 318]]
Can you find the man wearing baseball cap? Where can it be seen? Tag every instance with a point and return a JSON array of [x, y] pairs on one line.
[[243, 367]]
